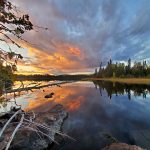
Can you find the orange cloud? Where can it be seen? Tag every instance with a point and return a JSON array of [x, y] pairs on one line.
[[55, 60], [27, 70], [65, 57], [75, 51]]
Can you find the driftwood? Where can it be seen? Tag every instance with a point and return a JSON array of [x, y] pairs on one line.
[[33, 131], [34, 87], [7, 123], [14, 132]]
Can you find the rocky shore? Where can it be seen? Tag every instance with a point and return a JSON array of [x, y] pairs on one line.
[[29, 136]]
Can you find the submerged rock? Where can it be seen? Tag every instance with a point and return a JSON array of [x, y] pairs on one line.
[[122, 146], [49, 95], [26, 139]]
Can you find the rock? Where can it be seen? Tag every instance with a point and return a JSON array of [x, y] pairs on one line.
[[49, 95], [122, 146], [29, 140]]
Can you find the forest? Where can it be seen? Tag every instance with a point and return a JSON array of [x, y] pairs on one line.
[[123, 70]]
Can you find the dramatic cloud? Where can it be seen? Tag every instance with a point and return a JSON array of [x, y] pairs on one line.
[[81, 33]]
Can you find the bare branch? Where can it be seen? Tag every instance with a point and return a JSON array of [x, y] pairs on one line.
[[5, 126], [15, 131]]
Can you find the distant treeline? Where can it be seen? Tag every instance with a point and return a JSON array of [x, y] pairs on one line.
[[48, 77], [138, 69]]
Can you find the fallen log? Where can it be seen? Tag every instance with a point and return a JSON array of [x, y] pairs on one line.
[[33, 87]]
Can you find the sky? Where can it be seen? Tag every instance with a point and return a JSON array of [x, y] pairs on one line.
[[82, 33]]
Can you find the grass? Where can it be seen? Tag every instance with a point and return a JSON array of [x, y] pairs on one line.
[[124, 80]]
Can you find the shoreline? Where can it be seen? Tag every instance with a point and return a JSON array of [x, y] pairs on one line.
[[49, 124], [123, 80]]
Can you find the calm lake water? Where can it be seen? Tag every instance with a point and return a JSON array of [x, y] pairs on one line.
[[95, 109]]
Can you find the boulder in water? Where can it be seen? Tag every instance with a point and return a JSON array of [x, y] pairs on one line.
[[122, 146]]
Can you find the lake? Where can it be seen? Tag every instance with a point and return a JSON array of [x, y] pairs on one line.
[[96, 109]]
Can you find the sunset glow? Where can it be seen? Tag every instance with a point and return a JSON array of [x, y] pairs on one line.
[[79, 36]]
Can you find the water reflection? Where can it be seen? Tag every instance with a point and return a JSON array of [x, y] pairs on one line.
[[92, 113], [128, 121], [67, 96], [35, 100], [115, 88]]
